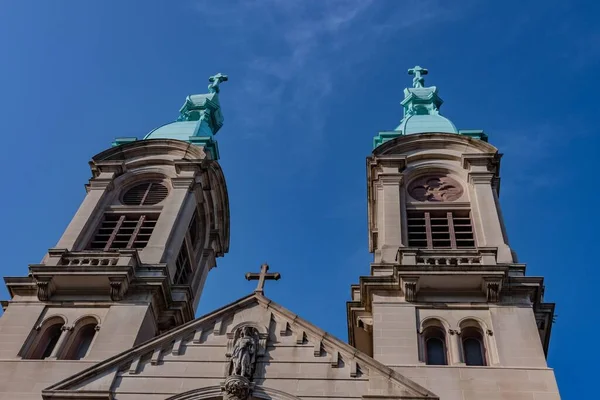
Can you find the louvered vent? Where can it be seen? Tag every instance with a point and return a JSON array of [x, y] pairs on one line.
[[145, 194], [440, 229], [123, 232]]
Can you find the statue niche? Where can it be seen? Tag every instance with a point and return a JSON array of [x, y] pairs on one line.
[[244, 346], [243, 354]]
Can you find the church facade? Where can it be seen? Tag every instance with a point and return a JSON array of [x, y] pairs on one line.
[[446, 312]]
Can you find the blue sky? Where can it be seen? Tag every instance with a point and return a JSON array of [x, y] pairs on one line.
[[311, 82]]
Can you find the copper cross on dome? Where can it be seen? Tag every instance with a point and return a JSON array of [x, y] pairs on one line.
[[262, 276], [418, 72], [215, 81]]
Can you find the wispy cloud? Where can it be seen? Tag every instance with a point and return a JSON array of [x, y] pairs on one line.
[[295, 53], [534, 156]]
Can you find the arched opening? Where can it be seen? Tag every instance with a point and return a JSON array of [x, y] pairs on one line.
[[83, 341], [473, 348], [435, 346], [47, 341]]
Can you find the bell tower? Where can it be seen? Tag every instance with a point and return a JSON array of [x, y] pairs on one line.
[[133, 260], [446, 293]]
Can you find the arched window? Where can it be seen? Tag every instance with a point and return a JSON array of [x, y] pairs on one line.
[[131, 229], [435, 346], [47, 340], [473, 348], [82, 343]]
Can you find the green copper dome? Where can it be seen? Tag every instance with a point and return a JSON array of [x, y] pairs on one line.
[[200, 118], [421, 113]]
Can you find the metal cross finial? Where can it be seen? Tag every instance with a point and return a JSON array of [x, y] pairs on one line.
[[251, 276], [215, 81], [418, 72]]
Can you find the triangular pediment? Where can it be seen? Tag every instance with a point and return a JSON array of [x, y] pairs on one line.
[[294, 359]]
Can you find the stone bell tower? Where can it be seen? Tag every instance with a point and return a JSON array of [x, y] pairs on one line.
[[446, 300], [133, 260]]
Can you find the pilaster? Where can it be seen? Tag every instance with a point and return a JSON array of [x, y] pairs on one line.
[[386, 206], [481, 178]]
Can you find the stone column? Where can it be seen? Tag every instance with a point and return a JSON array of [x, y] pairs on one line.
[[455, 348], [66, 331]]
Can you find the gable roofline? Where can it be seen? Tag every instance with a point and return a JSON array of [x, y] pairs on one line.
[[353, 352], [146, 346], [63, 387]]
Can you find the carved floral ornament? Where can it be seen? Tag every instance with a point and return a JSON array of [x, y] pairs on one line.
[[436, 188]]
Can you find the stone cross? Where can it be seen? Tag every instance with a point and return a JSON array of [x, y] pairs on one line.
[[251, 276], [418, 72], [215, 81]]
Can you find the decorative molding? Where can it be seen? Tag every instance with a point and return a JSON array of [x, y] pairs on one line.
[[410, 289], [335, 359], [300, 336], [217, 327], [480, 178], [318, 347], [133, 368], [435, 188], [118, 288], [45, 288], [237, 388], [197, 336], [492, 289], [183, 183], [156, 356], [353, 369], [176, 347], [283, 327]]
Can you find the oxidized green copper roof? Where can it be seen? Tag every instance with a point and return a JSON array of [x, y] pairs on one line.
[[200, 118], [421, 112]]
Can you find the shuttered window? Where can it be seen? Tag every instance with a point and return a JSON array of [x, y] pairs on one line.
[[123, 231], [440, 229]]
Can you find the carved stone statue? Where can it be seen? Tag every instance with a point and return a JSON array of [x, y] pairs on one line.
[[243, 355], [238, 385]]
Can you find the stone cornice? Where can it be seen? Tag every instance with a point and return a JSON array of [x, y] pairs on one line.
[[480, 178], [496, 281], [113, 275]]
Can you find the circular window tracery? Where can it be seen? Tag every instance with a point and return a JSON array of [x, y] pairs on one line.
[[435, 188], [145, 194]]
